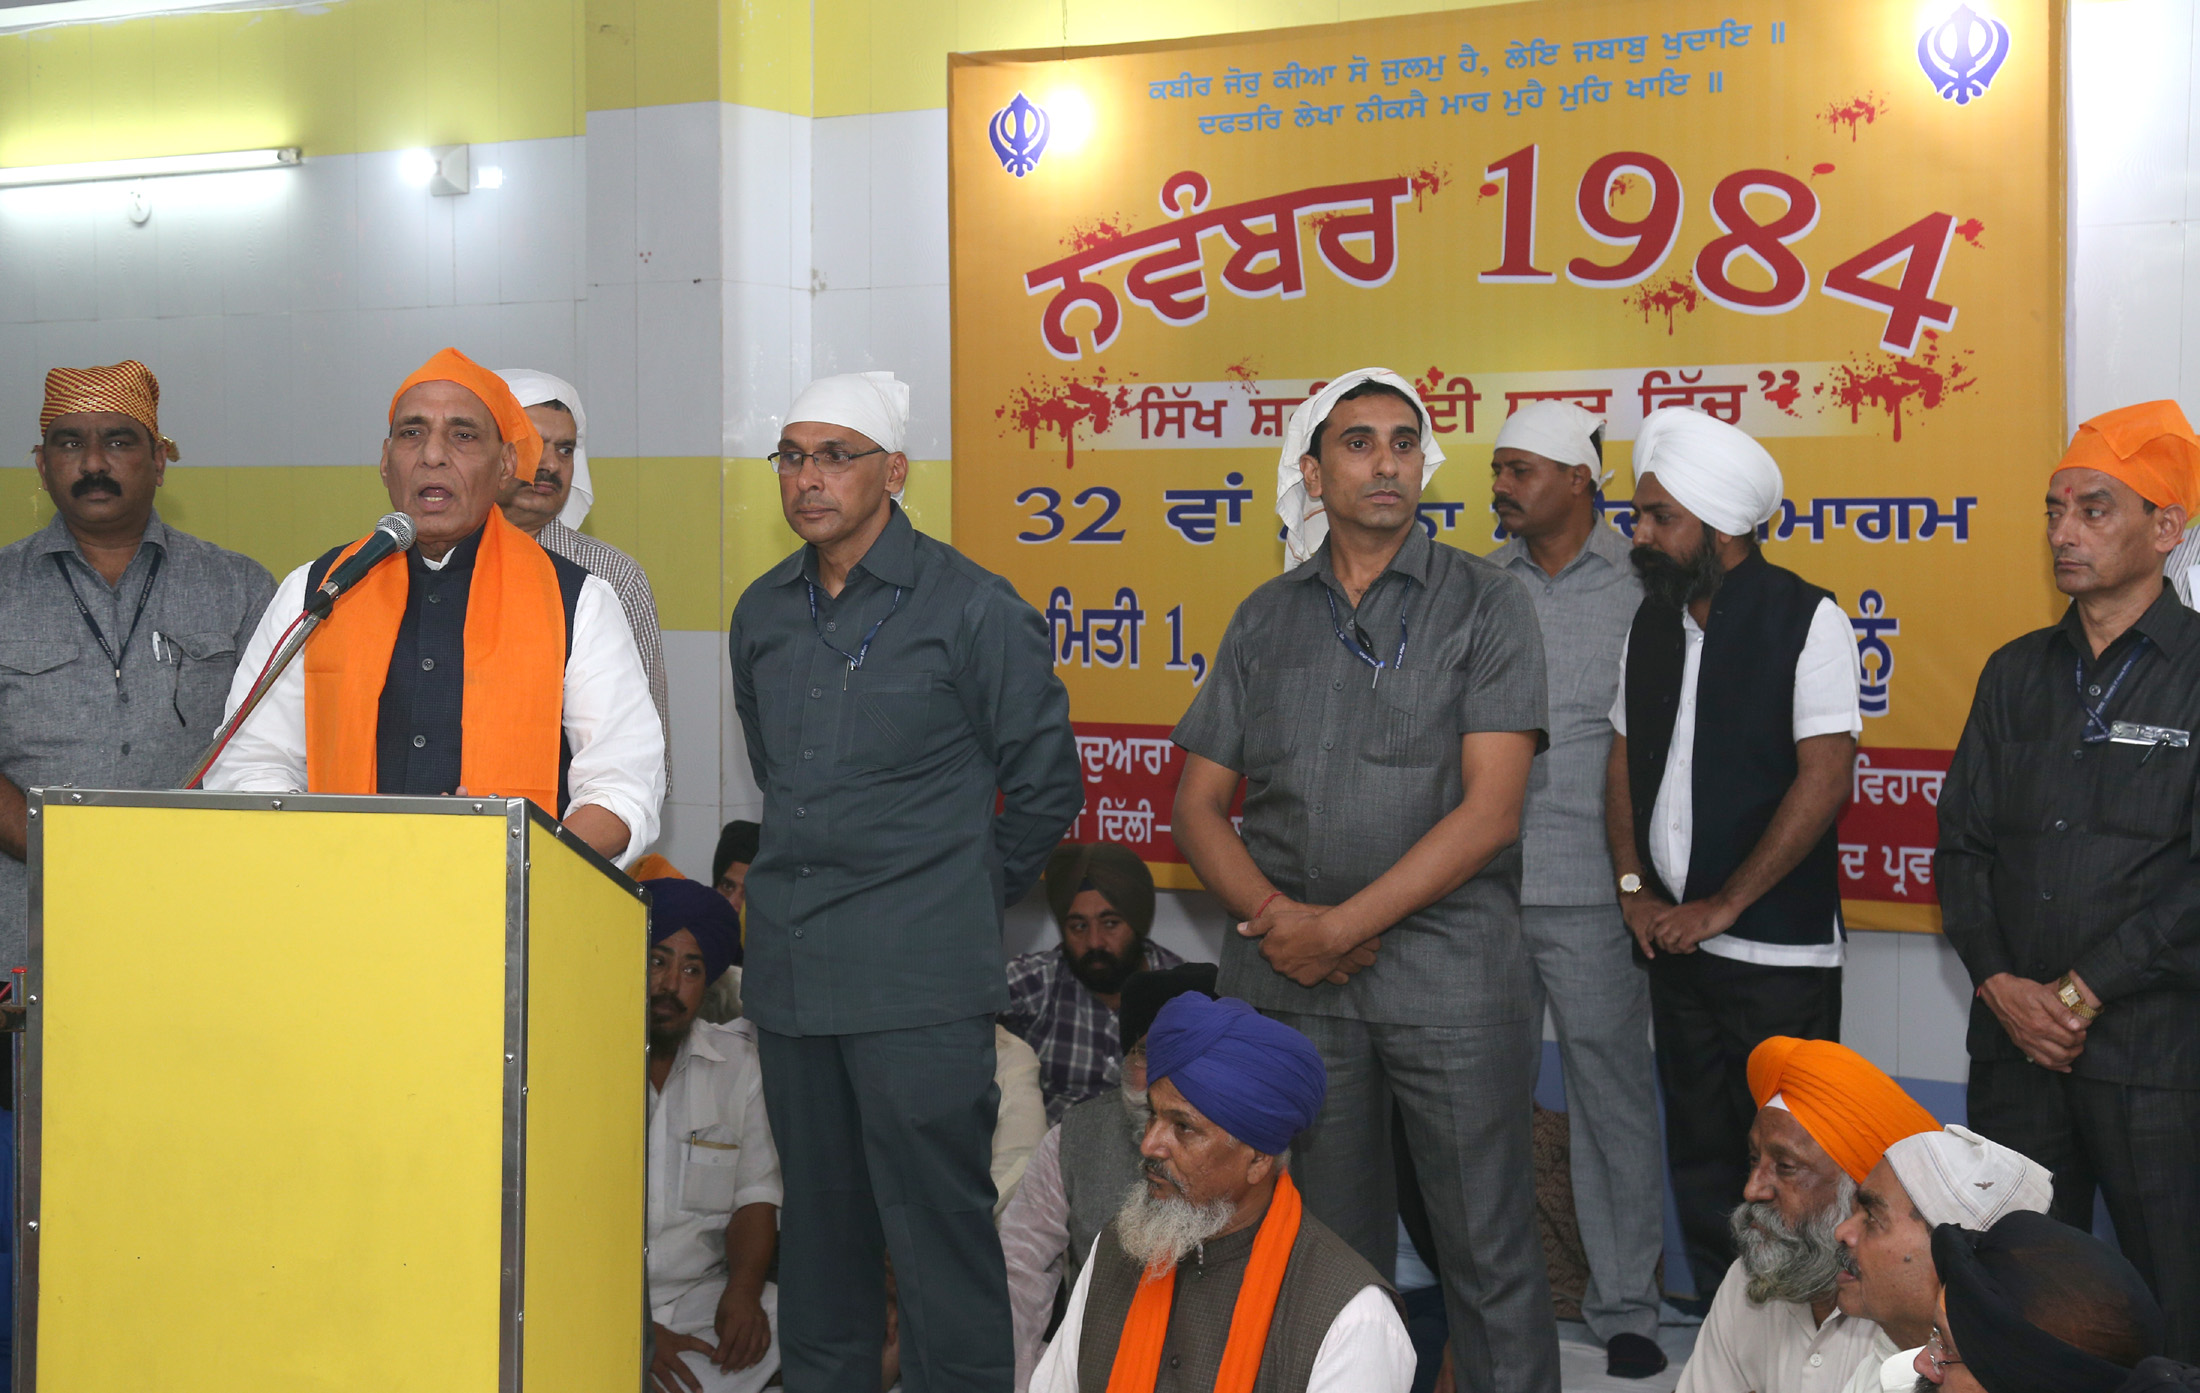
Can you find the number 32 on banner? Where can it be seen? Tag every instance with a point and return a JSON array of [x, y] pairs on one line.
[[1920, 249]]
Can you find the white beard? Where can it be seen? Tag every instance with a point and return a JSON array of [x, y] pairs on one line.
[[1135, 1104], [1160, 1233]]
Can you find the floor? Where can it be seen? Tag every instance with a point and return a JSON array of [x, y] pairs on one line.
[[1581, 1359]]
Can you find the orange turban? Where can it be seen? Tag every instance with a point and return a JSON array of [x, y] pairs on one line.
[[453, 366], [2150, 447], [128, 387], [653, 867], [1843, 1101]]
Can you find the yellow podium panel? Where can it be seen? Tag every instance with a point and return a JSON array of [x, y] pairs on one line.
[[328, 1093]]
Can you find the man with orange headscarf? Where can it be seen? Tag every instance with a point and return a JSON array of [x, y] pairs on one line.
[[479, 663], [2068, 878], [1825, 1116], [119, 632]]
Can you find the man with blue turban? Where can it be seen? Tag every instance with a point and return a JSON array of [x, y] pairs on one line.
[[714, 1187], [1270, 1299]]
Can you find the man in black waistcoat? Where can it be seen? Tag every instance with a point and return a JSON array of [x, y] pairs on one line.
[[1736, 725]]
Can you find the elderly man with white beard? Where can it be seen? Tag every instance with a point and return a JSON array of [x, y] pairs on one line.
[[1887, 1275], [1212, 1276], [1825, 1117]]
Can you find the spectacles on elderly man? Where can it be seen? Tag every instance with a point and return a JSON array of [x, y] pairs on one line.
[[1936, 1350], [831, 460]]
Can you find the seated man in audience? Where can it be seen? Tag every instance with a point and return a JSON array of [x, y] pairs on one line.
[[713, 1171], [1063, 1000], [729, 865], [549, 507], [1824, 1118], [1077, 1177], [2035, 1306], [1265, 1289], [1954, 1177]]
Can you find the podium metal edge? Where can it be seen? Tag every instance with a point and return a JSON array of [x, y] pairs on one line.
[[512, 1294], [28, 1059]]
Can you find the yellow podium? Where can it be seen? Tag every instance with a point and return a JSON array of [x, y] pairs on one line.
[[329, 1093]]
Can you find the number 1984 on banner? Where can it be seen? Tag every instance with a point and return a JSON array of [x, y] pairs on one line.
[[1648, 241]]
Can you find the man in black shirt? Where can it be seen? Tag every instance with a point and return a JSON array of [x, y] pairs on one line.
[[2068, 880]]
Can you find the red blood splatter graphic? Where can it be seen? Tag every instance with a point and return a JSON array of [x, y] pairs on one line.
[[1622, 185], [1969, 229], [1061, 407], [1854, 112], [1487, 191], [1427, 180], [1677, 293], [1818, 169], [1084, 236], [1893, 384], [1782, 389], [1244, 372]]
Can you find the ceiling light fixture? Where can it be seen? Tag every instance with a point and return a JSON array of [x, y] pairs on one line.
[[152, 167]]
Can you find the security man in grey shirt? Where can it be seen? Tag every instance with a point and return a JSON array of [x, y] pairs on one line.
[[888, 689], [1384, 702], [120, 633], [1545, 472]]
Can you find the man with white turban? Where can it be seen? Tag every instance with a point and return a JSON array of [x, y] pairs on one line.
[[889, 689], [1385, 699], [1953, 1176], [1546, 474], [550, 506], [1733, 854]]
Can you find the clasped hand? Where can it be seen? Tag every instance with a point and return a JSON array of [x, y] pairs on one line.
[[1675, 928], [1306, 943]]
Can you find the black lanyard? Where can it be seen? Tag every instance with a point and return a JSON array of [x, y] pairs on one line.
[[1357, 649], [863, 649], [2096, 713], [114, 657]]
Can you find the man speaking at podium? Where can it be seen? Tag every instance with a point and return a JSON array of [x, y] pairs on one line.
[[478, 664]]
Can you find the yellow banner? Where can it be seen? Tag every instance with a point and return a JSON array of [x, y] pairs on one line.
[[1839, 227]]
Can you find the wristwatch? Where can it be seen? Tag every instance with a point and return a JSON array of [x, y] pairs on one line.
[[1630, 884], [2066, 991]]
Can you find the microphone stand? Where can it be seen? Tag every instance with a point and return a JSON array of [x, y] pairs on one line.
[[270, 672]]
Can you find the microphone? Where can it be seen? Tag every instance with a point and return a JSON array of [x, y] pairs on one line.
[[393, 534]]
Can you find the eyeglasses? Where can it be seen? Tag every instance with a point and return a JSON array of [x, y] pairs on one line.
[[831, 461], [1936, 1353]]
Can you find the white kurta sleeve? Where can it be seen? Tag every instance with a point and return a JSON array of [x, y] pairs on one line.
[[610, 722], [1827, 700], [1034, 1241], [1619, 697], [1022, 1119], [1058, 1369], [756, 1176], [1366, 1350], [268, 752]]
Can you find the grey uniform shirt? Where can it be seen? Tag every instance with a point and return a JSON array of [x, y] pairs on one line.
[[876, 896], [628, 581], [65, 719], [1344, 773], [1585, 611]]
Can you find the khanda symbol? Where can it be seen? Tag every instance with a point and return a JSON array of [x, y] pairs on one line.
[[1962, 54], [1019, 132]]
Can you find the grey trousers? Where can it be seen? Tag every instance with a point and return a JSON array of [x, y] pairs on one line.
[[1582, 964], [885, 1145], [1464, 1092]]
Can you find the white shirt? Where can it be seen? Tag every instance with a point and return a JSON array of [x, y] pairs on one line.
[[710, 1154], [1897, 1373], [1826, 701], [610, 723], [1021, 1120], [1773, 1347], [1365, 1351], [1035, 1242]]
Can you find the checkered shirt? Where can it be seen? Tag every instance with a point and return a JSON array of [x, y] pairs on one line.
[[1075, 1036]]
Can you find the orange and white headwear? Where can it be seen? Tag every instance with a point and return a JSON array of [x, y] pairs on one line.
[[2150, 447], [128, 387], [512, 424], [1842, 1099]]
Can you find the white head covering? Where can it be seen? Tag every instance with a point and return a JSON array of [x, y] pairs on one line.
[[870, 402], [1556, 430], [1712, 469], [1304, 522], [533, 389], [1959, 1177]]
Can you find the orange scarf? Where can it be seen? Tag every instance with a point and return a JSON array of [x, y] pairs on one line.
[[513, 707], [1146, 1328]]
